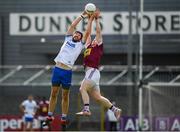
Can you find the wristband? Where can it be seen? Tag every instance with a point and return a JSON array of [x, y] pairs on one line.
[[82, 17]]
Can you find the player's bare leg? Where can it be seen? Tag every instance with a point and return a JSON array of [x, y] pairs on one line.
[[84, 89], [31, 126], [52, 104], [65, 105], [95, 93], [25, 126], [53, 98], [65, 101]]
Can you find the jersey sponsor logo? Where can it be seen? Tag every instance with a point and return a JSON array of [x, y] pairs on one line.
[[70, 44], [87, 52]]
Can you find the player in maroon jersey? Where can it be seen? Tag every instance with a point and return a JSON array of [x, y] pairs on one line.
[[90, 84], [43, 112]]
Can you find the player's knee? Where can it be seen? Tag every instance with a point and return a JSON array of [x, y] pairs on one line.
[[65, 96], [81, 89], [54, 93]]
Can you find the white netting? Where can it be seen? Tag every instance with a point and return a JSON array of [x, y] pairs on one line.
[[161, 105]]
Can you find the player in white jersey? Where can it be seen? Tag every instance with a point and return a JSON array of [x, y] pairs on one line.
[[62, 72], [28, 107], [70, 50]]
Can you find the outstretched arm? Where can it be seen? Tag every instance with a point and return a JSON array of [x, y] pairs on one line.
[[75, 23], [86, 36], [98, 28], [88, 41]]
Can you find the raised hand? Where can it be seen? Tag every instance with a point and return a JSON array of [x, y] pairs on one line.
[[97, 13]]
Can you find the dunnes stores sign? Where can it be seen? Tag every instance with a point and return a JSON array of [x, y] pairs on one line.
[[155, 22]]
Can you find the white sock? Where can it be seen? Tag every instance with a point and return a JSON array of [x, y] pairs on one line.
[[86, 107], [113, 108], [64, 115]]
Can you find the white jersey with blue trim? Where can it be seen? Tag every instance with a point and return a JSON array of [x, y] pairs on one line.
[[69, 51], [30, 107]]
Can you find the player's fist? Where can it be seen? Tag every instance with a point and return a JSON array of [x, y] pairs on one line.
[[86, 15]]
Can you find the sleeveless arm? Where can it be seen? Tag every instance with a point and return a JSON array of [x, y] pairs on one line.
[[87, 33], [75, 23], [98, 32]]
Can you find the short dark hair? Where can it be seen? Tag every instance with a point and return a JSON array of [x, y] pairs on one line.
[[79, 33]]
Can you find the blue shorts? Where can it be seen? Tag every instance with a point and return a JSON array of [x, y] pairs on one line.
[[61, 77], [28, 119]]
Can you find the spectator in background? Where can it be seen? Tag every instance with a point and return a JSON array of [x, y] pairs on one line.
[[28, 107], [43, 112], [112, 120]]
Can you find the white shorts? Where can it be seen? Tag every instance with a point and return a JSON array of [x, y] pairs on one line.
[[93, 75]]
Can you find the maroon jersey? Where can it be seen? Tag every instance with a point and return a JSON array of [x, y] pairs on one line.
[[92, 56], [43, 108]]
